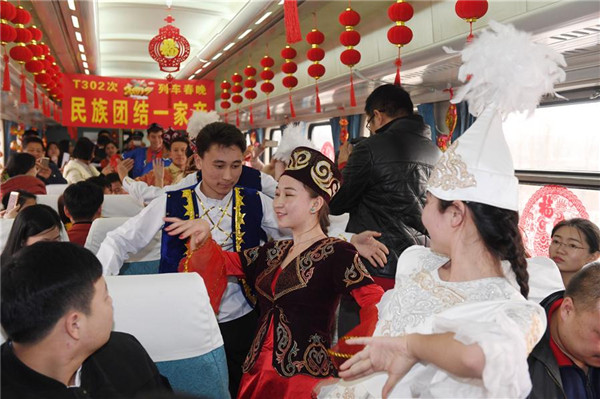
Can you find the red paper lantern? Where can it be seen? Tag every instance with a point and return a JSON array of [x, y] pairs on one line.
[[8, 33], [315, 37], [237, 99], [250, 95], [35, 33], [35, 50], [225, 104], [289, 67], [34, 66], [45, 48], [250, 71], [22, 16], [315, 54], [400, 35], [266, 75], [225, 96], [316, 71], [236, 78], [42, 79], [7, 10], [471, 11], [250, 84], [289, 81], [350, 38], [237, 88], [20, 53], [288, 53], [23, 35], [225, 85]]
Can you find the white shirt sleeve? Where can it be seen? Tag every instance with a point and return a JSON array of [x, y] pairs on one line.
[[268, 184], [146, 193], [131, 236]]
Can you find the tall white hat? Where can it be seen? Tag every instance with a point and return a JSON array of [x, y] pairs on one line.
[[506, 72]]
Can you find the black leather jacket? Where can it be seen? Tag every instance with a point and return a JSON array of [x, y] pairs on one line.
[[384, 184]]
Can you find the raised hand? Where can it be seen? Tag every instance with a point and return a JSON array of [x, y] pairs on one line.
[[158, 166], [123, 167], [368, 247]]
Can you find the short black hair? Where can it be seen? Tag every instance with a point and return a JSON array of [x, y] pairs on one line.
[[222, 134], [390, 99], [23, 196], [112, 178], [103, 140], [99, 181], [32, 139], [155, 127], [84, 149], [29, 222], [19, 163], [583, 287], [102, 133], [30, 132], [41, 283], [178, 139], [83, 200]]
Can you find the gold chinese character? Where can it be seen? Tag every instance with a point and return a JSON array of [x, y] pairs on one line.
[[140, 113], [100, 111], [188, 89], [200, 106], [78, 109], [120, 112], [180, 116], [176, 89], [163, 88], [201, 90], [112, 86]]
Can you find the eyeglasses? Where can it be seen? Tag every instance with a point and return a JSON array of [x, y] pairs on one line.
[[570, 247], [369, 121]]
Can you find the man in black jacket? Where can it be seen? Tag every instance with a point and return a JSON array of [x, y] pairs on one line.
[[57, 314], [566, 361], [385, 177]]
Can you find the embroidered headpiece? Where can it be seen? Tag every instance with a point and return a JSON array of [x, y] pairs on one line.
[[314, 170], [505, 72]]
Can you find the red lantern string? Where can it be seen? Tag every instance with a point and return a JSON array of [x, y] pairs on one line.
[[237, 98], [316, 54], [267, 75], [8, 34], [291, 21], [6, 77], [225, 86], [250, 84], [289, 67], [471, 11], [350, 38], [400, 35]]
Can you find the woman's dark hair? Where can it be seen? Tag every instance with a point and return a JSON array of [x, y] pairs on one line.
[[390, 99], [103, 140], [29, 222], [590, 231], [19, 164], [63, 146], [84, 149], [222, 134], [499, 230], [323, 212], [23, 197], [50, 143]]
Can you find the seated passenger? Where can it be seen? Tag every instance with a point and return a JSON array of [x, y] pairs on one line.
[[83, 205], [25, 199], [34, 223], [49, 174], [79, 167], [143, 156], [112, 155], [21, 170], [58, 316], [575, 242], [160, 175], [566, 362], [116, 187]]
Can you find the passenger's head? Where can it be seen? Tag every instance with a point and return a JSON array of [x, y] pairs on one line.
[[178, 151], [26, 199], [220, 148], [56, 288], [52, 150], [386, 103], [155, 136], [20, 164], [33, 145], [103, 140], [32, 224], [579, 326], [116, 187], [83, 201], [111, 149], [304, 190], [84, 149], [575, 242], [102, 182]]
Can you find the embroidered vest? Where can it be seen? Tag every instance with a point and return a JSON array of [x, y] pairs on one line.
[[250, 178], [246, 228]]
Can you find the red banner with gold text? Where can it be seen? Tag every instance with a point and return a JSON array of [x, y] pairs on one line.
[[97, 101]]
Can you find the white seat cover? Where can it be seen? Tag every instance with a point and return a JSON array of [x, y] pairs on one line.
[[56, 189], [116, 205]]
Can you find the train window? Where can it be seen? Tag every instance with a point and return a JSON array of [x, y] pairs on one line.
[[275, 135], [321, 136]]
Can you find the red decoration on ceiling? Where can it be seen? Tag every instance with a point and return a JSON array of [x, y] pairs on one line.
[[400, 34], [471, 11], [20, 52], [291, 21], [169, 49], [225, 96], [267, 75], [8, 34], [350, 38], [316, 54], [289, 81], [237, 98], [443, 140], [250, 84]]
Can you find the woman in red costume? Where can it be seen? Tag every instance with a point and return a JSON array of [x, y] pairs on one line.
[[298, 283]]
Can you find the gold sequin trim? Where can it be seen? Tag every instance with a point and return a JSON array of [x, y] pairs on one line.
[[450, 172]]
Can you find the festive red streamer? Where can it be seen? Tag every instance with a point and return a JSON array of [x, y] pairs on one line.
[[292, 111], [237, 117], [251, 116], [268, 109], [398, 65], [23, 90], [317, 100], [226, 117], [6, 80], [36, 103], [292, 22], [352, 95]]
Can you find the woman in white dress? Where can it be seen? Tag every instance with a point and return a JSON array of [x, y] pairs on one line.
[[457, 323], [79, 168]]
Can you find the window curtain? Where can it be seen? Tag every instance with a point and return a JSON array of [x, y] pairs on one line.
[[354, 126], [464, 120], [335, 131], [426, 111]]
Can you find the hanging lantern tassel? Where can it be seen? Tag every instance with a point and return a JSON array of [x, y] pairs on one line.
[[352, 95], [317, 99], [36, 103], [6, 79], [316, 54], [237, 117], [400, 35], [268, 108], [349, 39], [398, 65], [292, 111], [251, 116], [23, 89], [292, 22]]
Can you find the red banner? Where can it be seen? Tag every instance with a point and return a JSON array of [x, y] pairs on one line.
[[96, 101]]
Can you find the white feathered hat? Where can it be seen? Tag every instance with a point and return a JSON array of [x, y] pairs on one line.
[[198, 120], [506, 72], [291, 138]]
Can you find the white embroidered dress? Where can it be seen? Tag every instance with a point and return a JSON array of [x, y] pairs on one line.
[[490, 312]]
